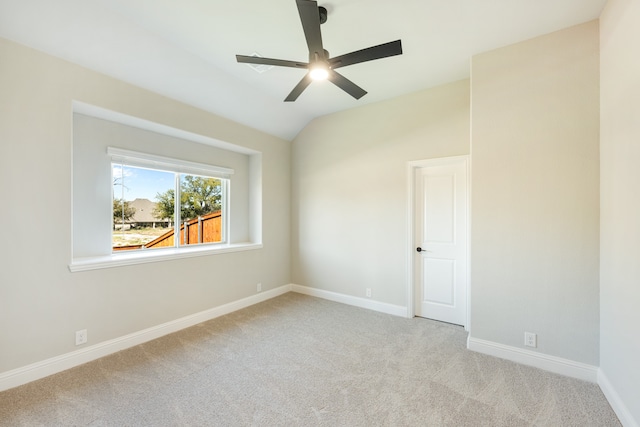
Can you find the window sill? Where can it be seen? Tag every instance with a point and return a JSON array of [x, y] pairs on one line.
[[157, 255]]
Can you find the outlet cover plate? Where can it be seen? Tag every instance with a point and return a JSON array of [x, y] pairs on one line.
[[530, 339], [81, 337]]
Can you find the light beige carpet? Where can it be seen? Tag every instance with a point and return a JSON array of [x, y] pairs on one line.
[[302, 361]]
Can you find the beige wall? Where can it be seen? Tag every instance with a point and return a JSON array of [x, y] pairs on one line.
[[534, 227], [42, 304], [620, 203], [349, 189]]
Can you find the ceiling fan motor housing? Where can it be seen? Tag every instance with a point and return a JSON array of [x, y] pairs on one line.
[[323, 14], [315, 57]]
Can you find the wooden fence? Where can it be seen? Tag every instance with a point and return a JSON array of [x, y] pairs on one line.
[[204, 229]]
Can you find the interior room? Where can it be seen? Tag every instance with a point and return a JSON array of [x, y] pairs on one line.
[[537, 104]]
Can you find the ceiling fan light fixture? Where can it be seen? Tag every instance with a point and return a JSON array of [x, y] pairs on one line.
[[319, 72]]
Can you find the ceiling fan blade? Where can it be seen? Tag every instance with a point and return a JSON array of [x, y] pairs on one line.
[[310, 18], [346, 85], [375, 52], [270, 61], [295, 93]]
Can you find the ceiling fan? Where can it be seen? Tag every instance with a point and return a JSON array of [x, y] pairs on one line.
[[321, 65]]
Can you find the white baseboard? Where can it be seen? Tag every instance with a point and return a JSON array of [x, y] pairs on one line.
[[553, 364], [370, 304], [621, 410], [38, 370]]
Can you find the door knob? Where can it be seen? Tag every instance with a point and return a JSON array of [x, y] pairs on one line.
[[419, 249]]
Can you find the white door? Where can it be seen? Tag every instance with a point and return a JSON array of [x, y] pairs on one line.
[[441, 238]]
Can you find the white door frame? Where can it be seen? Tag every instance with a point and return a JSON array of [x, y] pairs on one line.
[[411, 209]]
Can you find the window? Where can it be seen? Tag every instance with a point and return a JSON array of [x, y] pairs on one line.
[[155, 199], [169, 158]]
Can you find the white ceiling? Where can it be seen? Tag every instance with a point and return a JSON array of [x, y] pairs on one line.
[[186, 49]]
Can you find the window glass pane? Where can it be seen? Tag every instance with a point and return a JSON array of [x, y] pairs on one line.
[[143, 208], [201, 203]]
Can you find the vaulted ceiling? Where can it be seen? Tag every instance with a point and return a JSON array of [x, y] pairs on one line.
[[186, 49]]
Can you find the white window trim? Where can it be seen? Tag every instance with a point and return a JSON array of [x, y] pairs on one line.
[[157, 255], [178, 167], [145, 160]]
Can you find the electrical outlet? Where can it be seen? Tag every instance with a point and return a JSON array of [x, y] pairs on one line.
[[259, 287], [530, 339], [81, 337], [368, 292]]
